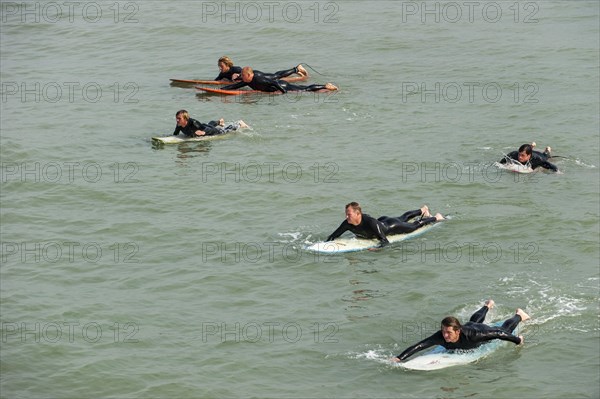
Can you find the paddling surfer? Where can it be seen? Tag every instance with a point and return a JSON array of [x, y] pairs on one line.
[[191, 127], [453, 335], [526, 155], [228, 71], [266, 82], [365, 226]]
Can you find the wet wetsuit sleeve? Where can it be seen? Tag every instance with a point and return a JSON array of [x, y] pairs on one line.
[[234, 86], [435, 339], [511, 155], [177, 130], [338, 232], [548, 165], [376, 227]]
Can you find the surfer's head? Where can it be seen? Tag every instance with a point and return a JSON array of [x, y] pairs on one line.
[[224, 64], [525, 152], [247, 74], [450, 329], [182, 117], [353, 213]]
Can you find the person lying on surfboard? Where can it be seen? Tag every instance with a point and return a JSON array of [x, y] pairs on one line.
[[263, 82], [230, 72], [526, 155], [453, 335], [365, 226], [191, 127]]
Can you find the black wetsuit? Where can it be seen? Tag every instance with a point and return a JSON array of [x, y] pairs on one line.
[[537, 159], [229, 74], [370, 227], [270, 83], [211, 129], [472, 334], [236, 69]]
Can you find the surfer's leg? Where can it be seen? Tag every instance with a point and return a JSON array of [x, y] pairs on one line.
[[479, 316], [406, 216], [512, 323], [286, 72], [314, 87]]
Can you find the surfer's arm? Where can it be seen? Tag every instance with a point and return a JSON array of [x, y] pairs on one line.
[[338, 232], [234, 86], [510, 156], [426, 343], [278, 86], [378, 229], [177, 130], [549, 166]]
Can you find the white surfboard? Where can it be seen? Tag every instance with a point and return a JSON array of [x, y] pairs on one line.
[[514, 167], [342, 245], [177, 139], [440, 358]]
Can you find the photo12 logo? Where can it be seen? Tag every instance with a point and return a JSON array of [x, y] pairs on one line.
[[68, 252], [66, 331], [270, 11], [69, 12], [270, 331], [469, 92], [452, 12], [71, 92], [67, 172]]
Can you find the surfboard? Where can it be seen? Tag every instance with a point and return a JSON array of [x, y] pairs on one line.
[[439, 357], [231, 92], [343, 245], [515, 167], [200, 82], [177, 140]]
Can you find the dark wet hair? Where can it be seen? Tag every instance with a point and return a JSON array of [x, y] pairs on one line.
[[527, 148]]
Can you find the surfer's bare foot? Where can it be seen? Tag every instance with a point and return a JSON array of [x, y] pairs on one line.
[[439, 216], [301, 70], [548, 150], [490, 303], [533, 144], [221, 122], [330, 86], [425, 211], [524, 316], [242, 124]]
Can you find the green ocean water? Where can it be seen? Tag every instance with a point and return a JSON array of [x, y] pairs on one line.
[[129, 270]]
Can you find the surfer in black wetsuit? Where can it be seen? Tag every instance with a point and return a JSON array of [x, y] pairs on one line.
[[526, 155], [228, 71], [470, 335], [268, 83], [365, 226], [191, 127]]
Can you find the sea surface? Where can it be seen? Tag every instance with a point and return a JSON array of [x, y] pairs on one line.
[[135, 271]]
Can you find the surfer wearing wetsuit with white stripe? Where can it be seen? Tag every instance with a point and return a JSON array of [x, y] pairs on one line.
[[268, 83], [470, 335], [526, 155], [365, 226], [191, 127], [228, 71]]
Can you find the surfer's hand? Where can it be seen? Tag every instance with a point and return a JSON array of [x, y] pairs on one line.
[[522, 340], [200, 133], [395, 360]]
